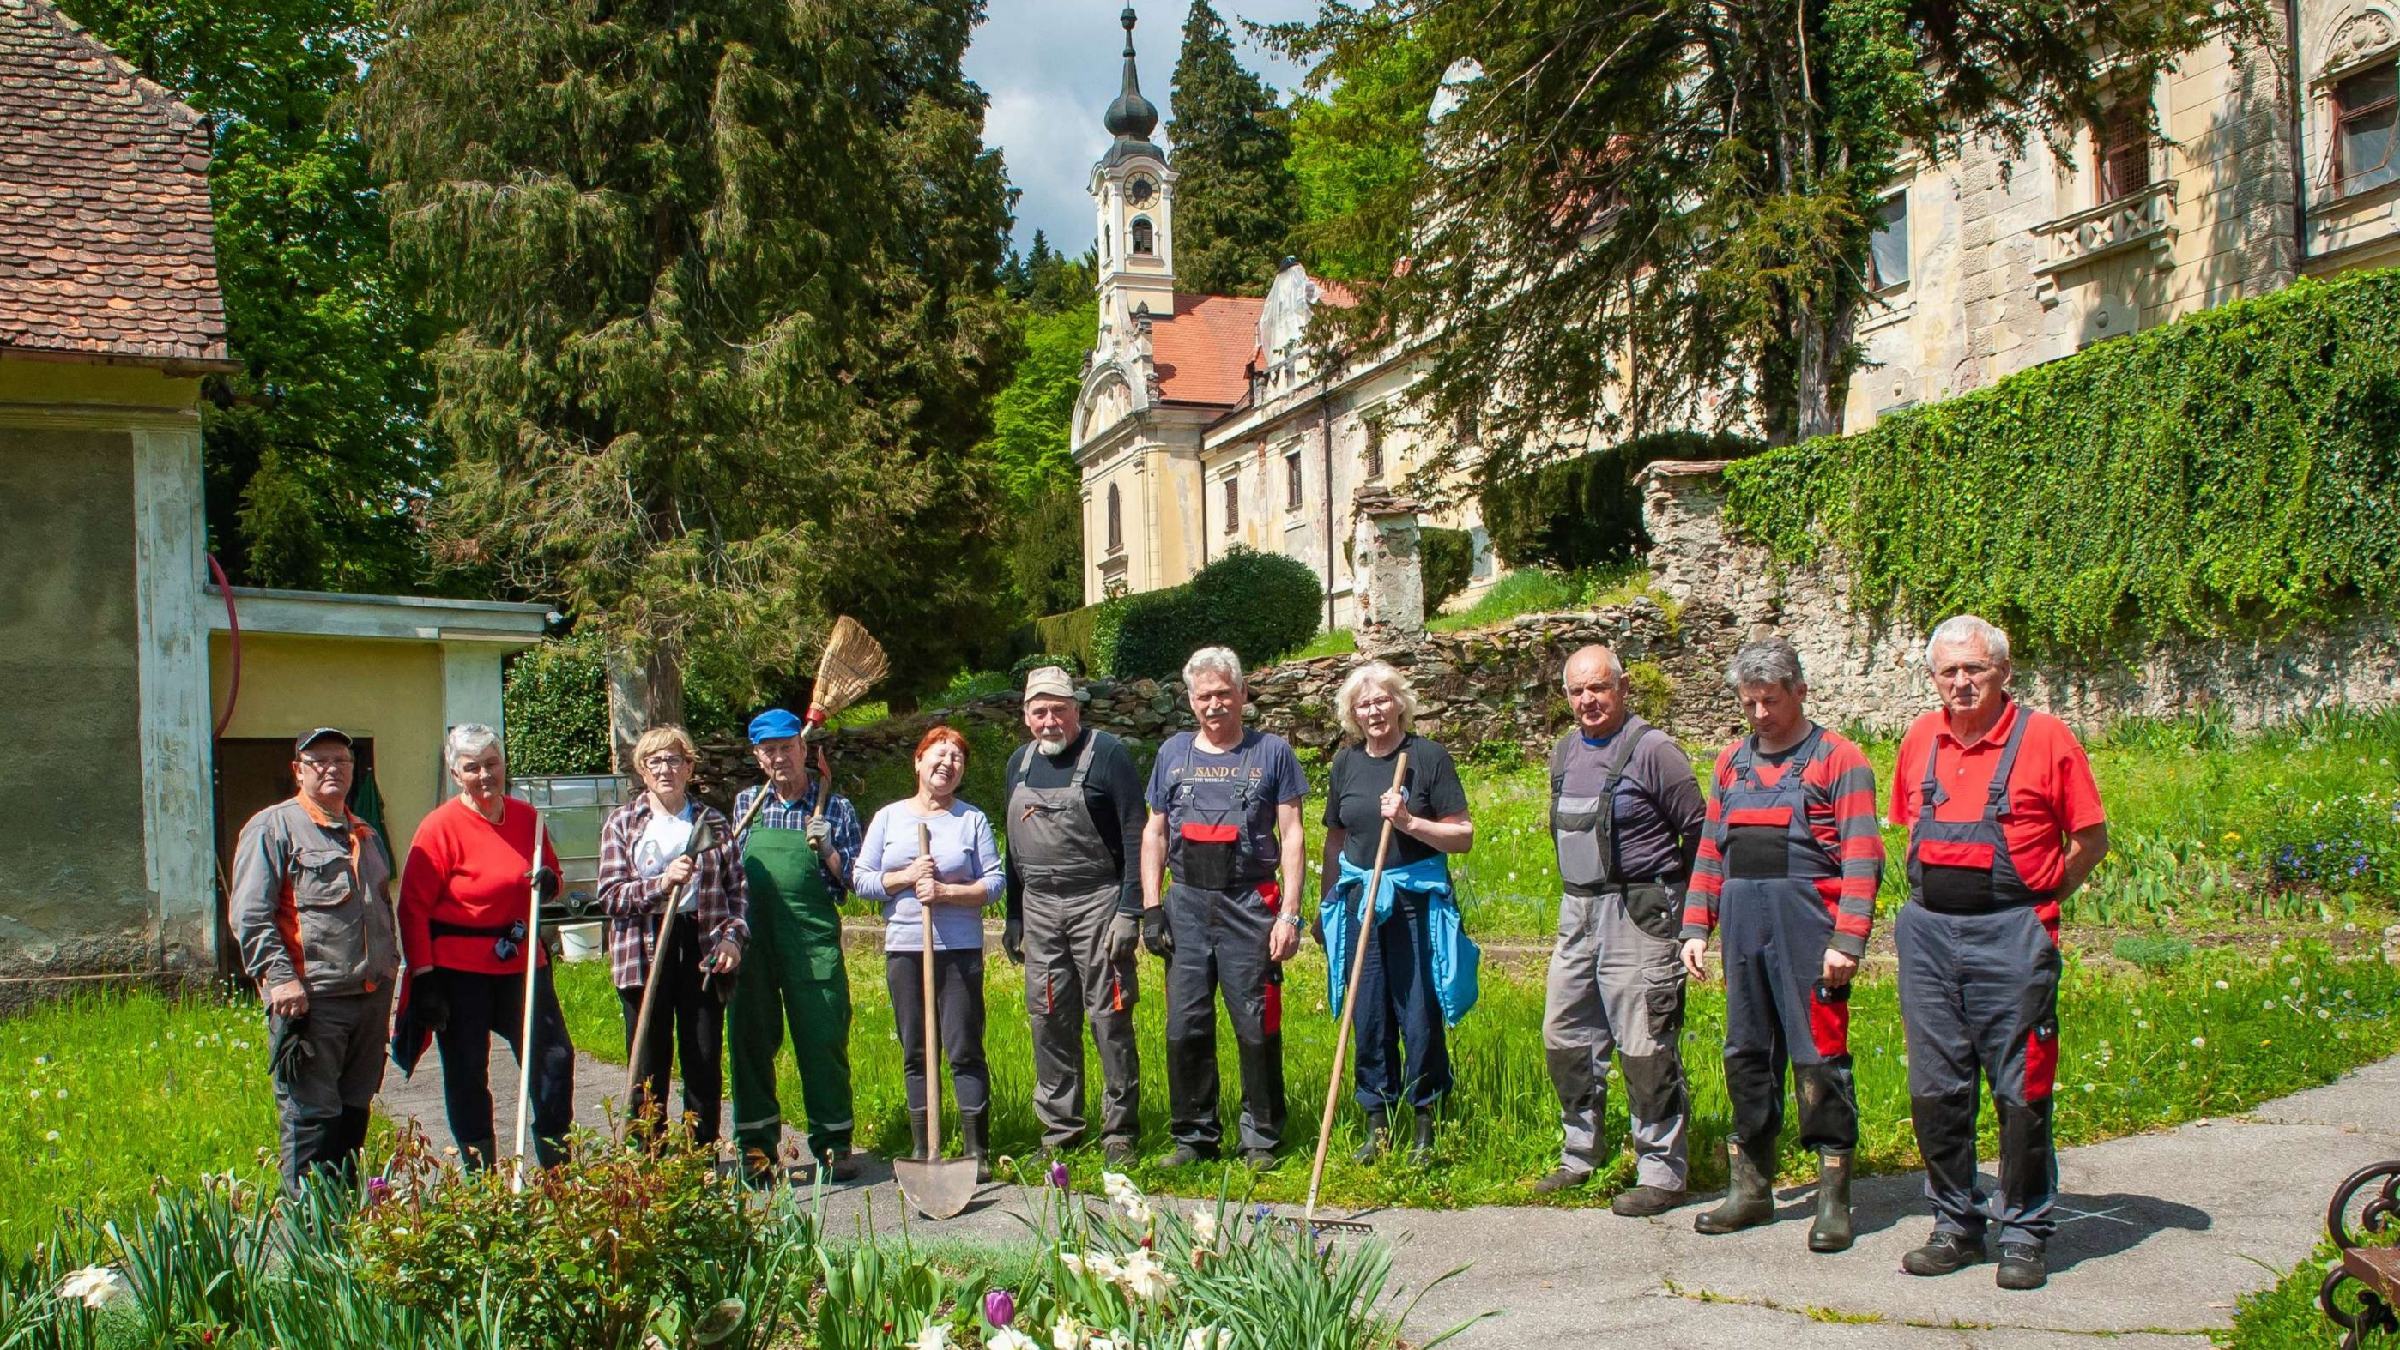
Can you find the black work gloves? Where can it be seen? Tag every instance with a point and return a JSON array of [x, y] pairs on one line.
[[429, 999], [545, 884], [1154, 932], [1012, 938]]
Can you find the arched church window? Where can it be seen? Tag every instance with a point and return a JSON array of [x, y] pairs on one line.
[[1144, 237], [1116, 520]]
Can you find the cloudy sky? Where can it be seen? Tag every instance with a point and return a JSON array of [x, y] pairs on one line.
[[1051, 67]]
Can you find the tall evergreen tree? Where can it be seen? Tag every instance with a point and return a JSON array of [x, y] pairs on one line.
[[314, 452], [719, 281], [1630, 211], [1235, 201]]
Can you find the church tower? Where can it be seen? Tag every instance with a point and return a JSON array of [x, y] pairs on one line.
[[1134, 192]]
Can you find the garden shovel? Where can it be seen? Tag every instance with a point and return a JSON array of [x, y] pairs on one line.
[[1341, 1041], [939, 1187]]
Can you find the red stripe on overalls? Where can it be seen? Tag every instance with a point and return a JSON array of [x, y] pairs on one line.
[[1271, 1022]]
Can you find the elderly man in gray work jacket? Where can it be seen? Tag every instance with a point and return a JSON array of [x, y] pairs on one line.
[[1626, 815], [312, 911]]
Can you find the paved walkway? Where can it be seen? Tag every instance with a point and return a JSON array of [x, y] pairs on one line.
[[2162, 1233]]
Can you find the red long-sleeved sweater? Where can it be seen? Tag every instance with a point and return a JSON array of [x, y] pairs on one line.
[[464, 870]]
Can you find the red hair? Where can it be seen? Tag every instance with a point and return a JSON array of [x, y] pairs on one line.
[[938, 735]]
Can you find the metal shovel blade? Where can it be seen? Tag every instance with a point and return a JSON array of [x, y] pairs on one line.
[[938, 1187]]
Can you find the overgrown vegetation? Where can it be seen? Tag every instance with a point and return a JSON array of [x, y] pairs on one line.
[[1587, 511], [1263, 605], [555, 701], [1446, 563], [2237, 471]]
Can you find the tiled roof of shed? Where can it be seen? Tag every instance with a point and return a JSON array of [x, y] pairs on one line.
[[106, 244]]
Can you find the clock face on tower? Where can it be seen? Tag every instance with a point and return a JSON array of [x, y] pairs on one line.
[[1140, 189]]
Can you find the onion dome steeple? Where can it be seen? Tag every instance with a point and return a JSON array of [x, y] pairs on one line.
[[1132, 117]]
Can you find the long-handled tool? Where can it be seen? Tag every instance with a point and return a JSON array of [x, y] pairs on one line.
[[938, 1187], [533, 966], [702, 840], [1341, 1041], [853, 661]]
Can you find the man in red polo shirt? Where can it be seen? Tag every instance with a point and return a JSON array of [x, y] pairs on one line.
[[2004, 822]]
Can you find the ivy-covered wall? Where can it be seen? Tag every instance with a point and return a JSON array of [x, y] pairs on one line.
[[2206, 513]]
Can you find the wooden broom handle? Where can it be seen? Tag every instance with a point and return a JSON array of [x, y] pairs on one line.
[[933, 1066], [1358, 964]]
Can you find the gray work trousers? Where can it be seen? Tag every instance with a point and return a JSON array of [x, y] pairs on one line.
[[1614, 988], [1068, 977], [327, 1064]]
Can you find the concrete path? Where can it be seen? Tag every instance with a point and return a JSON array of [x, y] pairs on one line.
[[2162, 1233]]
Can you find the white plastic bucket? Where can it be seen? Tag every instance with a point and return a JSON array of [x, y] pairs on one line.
[[579, 941]]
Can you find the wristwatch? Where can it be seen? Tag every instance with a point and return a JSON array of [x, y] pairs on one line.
[[1292, 919]]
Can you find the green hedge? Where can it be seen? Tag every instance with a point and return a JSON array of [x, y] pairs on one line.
[[1446, 560], [554, 699], [1079, 633], [2234, 472], [1263, 605], [1587, 512]]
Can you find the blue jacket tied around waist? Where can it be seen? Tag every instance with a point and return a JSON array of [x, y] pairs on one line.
[[1455, 957]]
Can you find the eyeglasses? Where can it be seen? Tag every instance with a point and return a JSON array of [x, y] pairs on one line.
[[327, 766], [665, 762]]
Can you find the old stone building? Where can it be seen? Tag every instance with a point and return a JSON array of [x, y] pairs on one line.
[[1201, 423]]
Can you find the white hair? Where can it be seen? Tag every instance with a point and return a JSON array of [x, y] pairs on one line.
[[1213, 661], [1381, 675], [467, 740], [1965, 628]]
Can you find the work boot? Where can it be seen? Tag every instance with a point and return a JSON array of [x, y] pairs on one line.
[[837, 1165], [2022, 1266], [1184, 1155], [1117, 1153], [1749, 1199], [1831, 1231], [919, 1135], [1642, 1202], [1942, 1254], [974, 1132], [1420, 1152], [1559, 1178], [1379, 1136]]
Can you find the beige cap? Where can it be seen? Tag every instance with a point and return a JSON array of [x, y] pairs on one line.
[[1049, 682]]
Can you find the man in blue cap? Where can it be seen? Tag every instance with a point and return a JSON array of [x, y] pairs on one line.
[[797, 859]]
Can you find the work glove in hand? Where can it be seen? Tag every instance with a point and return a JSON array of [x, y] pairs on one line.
[[1154, 932], [1012, 939], [820, 833], [545, 884], [1123, 931], [429, 998]]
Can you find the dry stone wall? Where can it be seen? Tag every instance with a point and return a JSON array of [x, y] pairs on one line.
[[1867, 669]]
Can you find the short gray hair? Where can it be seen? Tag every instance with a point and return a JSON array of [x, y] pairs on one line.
[[467, 738], [1213, 661], [1767, 661], [1383, 676], [1960, 628]]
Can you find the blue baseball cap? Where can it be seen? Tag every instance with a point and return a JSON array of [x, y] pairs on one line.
[[773, 724]]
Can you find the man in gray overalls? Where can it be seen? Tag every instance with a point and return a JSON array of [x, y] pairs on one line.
[[1225, 815], [1626, 816], [1074, 822], [2004, 822]]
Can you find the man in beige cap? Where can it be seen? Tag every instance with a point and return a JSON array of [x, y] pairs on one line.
[[1074, 819]]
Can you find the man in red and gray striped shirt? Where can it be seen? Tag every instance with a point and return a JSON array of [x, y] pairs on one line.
[[1789, 864]]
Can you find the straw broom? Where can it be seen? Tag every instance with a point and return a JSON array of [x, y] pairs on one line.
[[852, 663]]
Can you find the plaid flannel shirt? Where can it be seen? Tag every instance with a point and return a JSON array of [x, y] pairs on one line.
[[634, 903], [841, 823]]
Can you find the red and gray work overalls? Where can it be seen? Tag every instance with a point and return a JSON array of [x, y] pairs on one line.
[[1221, 908], [1072, 887], [1979, 996], [1774, 926]]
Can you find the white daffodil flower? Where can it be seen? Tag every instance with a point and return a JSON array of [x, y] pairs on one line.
[[92, 1286], [1068, 1334], [1207, 1338], [1146, 1279], [935, 1336], [1204, 1226], [1009, 1338]]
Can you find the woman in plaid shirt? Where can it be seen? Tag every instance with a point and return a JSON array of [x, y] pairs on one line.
[[646, 861]]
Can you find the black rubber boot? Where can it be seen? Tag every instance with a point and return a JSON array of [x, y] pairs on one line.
[[1379, 1136], [918, 1136], [974, 1135], [1750, 1199], [1420, 1152], [1831, 1231]]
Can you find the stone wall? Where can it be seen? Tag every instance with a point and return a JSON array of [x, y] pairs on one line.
[[1868, 670]]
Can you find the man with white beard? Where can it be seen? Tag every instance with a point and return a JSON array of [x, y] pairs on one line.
[[1074, 819]]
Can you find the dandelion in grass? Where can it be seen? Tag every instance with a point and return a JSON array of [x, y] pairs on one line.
[[51, 1137], [2223, 985], [2199, 1042]]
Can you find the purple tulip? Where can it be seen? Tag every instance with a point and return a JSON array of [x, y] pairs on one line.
[[378, 1190], [1059, 1176], [999, 1308]]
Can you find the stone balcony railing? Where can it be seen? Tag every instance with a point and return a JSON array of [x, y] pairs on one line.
[[2140, 222]]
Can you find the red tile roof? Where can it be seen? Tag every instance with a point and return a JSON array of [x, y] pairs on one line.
[[1200, 352], [106, 247]]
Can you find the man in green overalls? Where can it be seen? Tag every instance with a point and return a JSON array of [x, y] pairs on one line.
[[797, 859]]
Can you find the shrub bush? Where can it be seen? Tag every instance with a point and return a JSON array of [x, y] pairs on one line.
[[1263, 605], [2233, 472], [1586, 511], [1447, 560], [1026, 665], [555, 701]]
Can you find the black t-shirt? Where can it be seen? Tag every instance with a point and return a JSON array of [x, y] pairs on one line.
[[1354, 797], [1112, 791]]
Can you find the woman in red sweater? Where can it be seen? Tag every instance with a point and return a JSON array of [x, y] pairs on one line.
[[464, 902]]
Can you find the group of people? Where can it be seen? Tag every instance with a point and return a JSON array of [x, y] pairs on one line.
[[1779, 859]]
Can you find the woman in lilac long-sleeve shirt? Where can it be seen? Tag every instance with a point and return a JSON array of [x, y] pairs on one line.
[[953, 885]]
